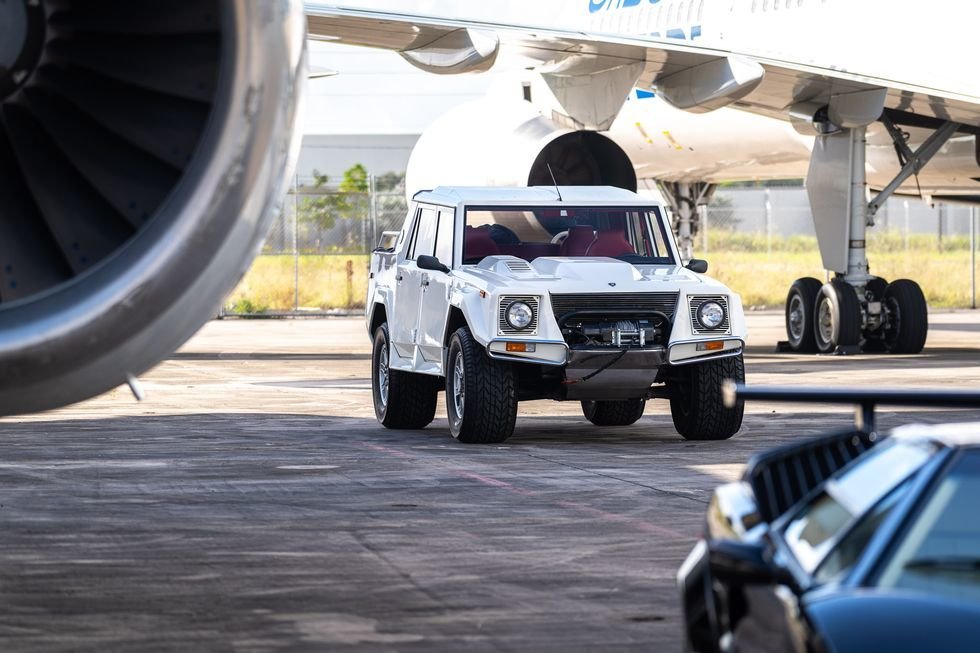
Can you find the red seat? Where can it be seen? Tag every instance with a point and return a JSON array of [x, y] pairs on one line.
[[478, 244], [578, 240], [610, 242], [530, 251]]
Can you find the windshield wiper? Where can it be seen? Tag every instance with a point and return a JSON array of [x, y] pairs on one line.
[[945, 563]]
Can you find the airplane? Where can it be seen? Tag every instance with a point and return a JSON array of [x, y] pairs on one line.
[[145, 147], [690, 93]]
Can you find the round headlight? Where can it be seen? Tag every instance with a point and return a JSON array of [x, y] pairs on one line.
[[519, 315], [711, 315]]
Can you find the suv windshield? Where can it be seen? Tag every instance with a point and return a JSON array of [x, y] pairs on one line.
[[636, 235]]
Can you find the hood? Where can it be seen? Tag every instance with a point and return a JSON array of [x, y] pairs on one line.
[[896, 621], [588, 271]]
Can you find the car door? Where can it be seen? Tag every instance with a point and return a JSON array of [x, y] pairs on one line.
[[435, 292], [824, 537], [408, 283]]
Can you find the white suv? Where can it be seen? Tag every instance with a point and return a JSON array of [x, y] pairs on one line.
[[499, 295]]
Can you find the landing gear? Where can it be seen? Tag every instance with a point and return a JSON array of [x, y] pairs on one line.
[[687, 202], [856, 311], [839, 318]]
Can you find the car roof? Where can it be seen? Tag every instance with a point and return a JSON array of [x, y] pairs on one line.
[[964, 434], [532, 195]]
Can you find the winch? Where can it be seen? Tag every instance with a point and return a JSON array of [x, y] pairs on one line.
[[621, 333]]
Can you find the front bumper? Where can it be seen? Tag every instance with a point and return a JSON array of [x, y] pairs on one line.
[[604, 375], [695, 350]]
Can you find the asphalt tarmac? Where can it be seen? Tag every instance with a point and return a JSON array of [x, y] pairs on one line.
[[252, 502]]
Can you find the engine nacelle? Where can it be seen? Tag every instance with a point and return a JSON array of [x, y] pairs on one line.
[[495, 142], [144, 150]]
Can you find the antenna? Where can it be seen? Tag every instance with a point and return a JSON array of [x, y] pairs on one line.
[[555, 181]]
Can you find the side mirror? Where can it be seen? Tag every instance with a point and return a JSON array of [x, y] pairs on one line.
[[746, 564], [698, 265], [426, 262]]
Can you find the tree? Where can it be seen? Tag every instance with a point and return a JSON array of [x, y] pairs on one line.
[[323, 206], [390, 182]]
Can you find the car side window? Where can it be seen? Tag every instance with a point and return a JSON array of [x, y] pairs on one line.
[[846, 553], [424, 239], [846, 497], [444, 238]]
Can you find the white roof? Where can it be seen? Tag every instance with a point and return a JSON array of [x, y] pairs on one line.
[[533, 195], [963, 434]]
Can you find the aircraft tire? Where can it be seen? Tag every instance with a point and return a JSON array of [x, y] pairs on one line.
[[908, 317], [800, 303], [836, 317]]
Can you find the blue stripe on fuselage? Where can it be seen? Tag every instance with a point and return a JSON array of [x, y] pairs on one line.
[[599, 5]]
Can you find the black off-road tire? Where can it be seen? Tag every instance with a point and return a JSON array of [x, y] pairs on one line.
[[800, 302], [843, 327], [411, 398], [908, 317], [613, 413], [489, 392], [697, 408]]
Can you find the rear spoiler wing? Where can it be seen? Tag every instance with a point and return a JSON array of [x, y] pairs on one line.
[[864, 399], [781, 477]]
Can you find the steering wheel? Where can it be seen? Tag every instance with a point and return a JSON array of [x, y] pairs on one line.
[[559, 237]]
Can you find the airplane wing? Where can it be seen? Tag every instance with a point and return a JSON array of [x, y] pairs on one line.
[[687, 75]]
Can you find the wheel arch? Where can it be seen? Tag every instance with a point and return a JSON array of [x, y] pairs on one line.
[[379, 315], [455, 320]]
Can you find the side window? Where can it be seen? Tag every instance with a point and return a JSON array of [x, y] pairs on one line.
[[424, 240], [412, 231], [444, 239], [659, 237], [849, 549]]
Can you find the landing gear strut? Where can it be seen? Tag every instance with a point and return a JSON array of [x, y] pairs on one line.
[[687, 202], [855, 311]]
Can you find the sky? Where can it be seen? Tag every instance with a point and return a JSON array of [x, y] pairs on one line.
[[377, 92]]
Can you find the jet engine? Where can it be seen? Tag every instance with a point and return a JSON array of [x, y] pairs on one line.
[[497, 142], [144, 150]]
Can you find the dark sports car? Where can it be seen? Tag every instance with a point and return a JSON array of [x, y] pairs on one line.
[[852, 542]]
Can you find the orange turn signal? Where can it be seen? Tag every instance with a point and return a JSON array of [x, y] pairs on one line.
[[520, 346], [711, 345]]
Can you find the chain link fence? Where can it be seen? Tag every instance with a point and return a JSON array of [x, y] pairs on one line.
[[778, 218], [315, 260], [759, 239]]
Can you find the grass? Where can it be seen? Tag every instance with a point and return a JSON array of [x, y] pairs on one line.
[[744, 263], [270, 284], [759, 270]]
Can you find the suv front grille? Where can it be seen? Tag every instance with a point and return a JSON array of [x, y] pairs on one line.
[[695, 303], [506, 329], [640, 302]]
